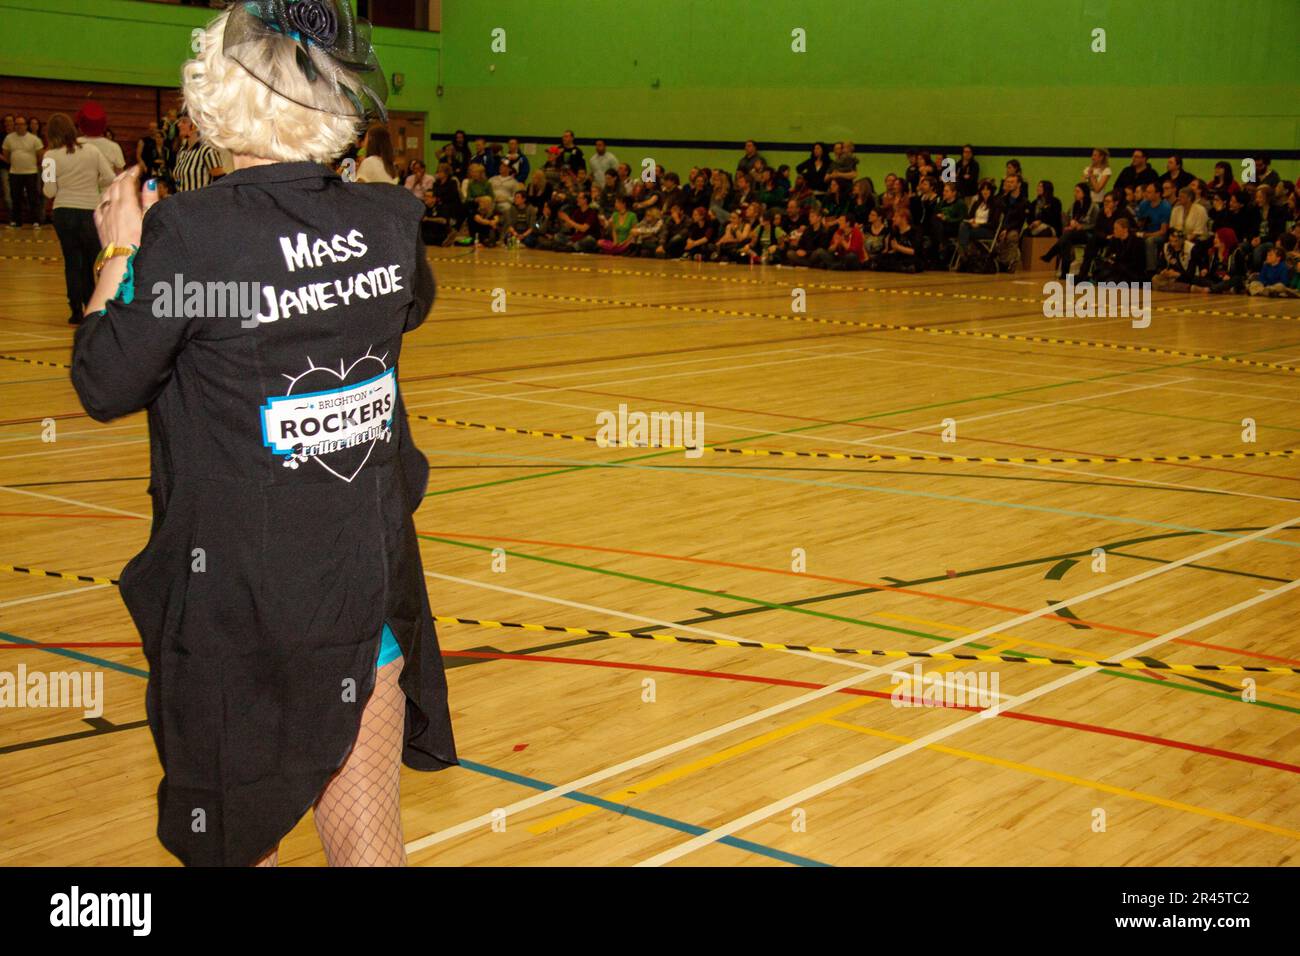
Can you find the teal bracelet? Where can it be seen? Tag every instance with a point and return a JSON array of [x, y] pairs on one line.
[[126, 288]]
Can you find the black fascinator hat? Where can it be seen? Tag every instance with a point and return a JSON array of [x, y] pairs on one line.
[[334, 51]]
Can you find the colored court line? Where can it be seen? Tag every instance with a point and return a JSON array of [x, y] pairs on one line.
[[623, 809], [1077, 781], [892, 327], [830, 286], [871, 457], [669, 638], [761, 606], [641, 787], [73, 655]]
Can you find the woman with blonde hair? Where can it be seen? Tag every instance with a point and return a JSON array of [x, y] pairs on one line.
[[80, 176], [293, 662]]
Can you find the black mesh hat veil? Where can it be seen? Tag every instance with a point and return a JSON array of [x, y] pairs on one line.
[[334, 53]]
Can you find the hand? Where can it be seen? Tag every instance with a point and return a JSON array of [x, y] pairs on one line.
[[120, 214]]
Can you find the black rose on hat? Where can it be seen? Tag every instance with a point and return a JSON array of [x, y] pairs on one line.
[[315, 19]]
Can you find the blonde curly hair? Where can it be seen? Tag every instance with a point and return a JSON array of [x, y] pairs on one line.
[[236, 111]]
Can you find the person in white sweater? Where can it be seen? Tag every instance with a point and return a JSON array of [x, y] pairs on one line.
[[379, 165], [75, 176]]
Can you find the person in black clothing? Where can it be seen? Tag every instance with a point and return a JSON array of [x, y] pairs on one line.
[[1079, 230], [1137, 174], [815, 168], [571, 152], [1013, 204], [456, 154], [924, 209], [1101, 233], [968, 173], [815, 235], [677, 227], [1180, 263], [1125, 258], [1175, 173], [1044, 215], [304, 664], [903, 247], [1262, 224]]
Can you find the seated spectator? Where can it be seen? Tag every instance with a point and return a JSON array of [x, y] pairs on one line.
[[770, 192], [504, 186], [1078, 230], [1013, 205], [457, 154], [643, 197], [722, 199], [1263, 223], [1097, 174], [1044, 216], [912, 171], [903, 248], [735, 236], [766, 236], [609, 191], [979, 224], [1175, 173], [968, 174], [924, 208], [952, 210], [578, 230], [1265, 175], [646, 234], [1136, 174], [1189, 218], [672, 194], [847, 250], [1124, 259], [538, 190], [1013, 169], [1225, 269], [795, 217], [521, 221], [477, 185], [419, 181], [815, 168], [1179, 263], [625, 178], [744, 190], [1273, 278], [837, 201], [863, 199], [1224, 182], [485, 223], [701, 235], [1102, 232], [618, 228], [1152, 224], [876, 236], [803, 242], [675, 232], [554, 166]]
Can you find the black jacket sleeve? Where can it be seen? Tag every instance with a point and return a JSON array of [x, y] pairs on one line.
[[122, 357]]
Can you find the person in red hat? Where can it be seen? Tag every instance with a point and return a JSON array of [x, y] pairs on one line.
[[92, 121]]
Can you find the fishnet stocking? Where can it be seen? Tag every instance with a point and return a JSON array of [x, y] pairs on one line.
[[358, 816]]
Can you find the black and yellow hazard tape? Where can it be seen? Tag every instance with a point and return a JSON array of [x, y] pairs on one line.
[[892, 327], [839, 287], [31, 361], [62, 575], [34, 258], [872, 456], [1146, 664]]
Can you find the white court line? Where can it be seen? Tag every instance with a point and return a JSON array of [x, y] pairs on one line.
[[807, 793], [56, 594], [706, 632], [486, 819], [74, 451], [1054, 469], [35, 436], [71, 501]]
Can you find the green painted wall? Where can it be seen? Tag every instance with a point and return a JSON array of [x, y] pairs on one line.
[[130, 41], [1205, 74], [1189, 74]]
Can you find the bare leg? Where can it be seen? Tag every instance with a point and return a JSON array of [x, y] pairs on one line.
[[358, 816], [271, 859]]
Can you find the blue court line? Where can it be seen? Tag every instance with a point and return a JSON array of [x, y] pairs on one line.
[[626, 810], [75, 655], [620, 808]]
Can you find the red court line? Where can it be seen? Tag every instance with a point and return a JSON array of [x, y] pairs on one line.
[[866, 584], [9, 646], [831, 421], [882, 695]]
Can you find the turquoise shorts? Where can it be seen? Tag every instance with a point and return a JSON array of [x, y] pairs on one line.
[[389, 650]]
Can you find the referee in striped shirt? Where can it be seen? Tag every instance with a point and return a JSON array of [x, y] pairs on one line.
[[197, 163]]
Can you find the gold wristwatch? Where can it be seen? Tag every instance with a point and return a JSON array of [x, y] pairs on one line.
[[111, 251]]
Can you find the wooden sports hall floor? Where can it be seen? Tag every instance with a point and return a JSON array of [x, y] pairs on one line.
[[614, 751]]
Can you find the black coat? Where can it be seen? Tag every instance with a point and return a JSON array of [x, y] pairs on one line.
[[283, 479]]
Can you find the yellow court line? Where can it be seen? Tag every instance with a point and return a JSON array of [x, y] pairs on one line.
[[625, 793], [1077, 781]]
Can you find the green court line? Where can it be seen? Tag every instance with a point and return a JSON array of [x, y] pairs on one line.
[[769, 605]]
